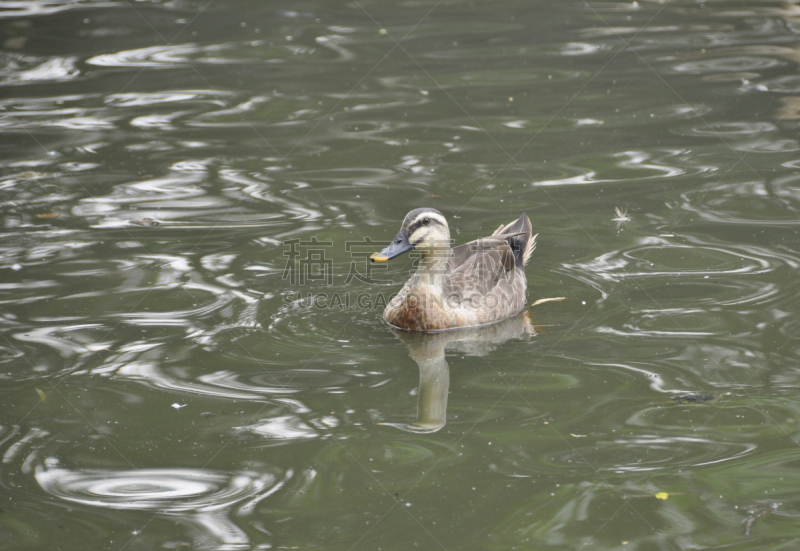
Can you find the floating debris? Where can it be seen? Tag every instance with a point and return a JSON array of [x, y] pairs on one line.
[[658, 495], [757, 511], [698, 398], [620, 216], [693, 398], [47, 215], [42, 396], [554, 299]]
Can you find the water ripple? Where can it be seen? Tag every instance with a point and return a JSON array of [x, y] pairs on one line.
[[49, 7], [164, 490], [754, 203], [203, 499], [142, 99], [727, 64], [661, 257], [637, 166], [169, 56], [730, 129], [28, 70], [678, 451]]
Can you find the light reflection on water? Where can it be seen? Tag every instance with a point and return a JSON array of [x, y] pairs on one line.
[[156, 356]]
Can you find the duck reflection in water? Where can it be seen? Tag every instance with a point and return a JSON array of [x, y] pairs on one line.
[[428, 350]]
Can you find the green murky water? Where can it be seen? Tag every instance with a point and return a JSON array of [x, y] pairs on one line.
[[192, 352]]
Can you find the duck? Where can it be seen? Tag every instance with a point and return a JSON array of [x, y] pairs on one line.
[[473, 284]]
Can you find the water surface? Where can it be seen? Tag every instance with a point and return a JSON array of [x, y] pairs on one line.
[[192, 350]]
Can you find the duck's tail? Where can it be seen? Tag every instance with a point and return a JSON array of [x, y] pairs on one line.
[[518, 235]]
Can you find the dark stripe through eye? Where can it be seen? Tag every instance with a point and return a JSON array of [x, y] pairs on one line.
[[423, 222]]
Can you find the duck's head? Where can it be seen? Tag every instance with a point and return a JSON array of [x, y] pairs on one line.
[[423, 229]]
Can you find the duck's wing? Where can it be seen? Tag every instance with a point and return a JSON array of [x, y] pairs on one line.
[[479, 267]]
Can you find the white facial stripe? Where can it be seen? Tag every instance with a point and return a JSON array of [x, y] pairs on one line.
[[428, 234], [414, 237], [432, 215]]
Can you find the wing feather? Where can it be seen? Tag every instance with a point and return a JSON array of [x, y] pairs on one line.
[[479, 267], [518, 234]]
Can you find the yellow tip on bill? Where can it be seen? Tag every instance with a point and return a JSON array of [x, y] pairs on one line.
[[378, 257]]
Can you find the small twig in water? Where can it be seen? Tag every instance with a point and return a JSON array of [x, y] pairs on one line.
[[756, 512]]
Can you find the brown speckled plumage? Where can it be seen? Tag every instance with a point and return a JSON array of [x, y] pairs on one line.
[[473, 284]]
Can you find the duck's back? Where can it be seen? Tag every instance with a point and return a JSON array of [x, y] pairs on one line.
[[484, 283]]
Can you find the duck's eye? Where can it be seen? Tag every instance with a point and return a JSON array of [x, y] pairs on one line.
[[426, 221]]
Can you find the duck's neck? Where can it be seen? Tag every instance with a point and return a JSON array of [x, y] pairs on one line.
[[433, 266]]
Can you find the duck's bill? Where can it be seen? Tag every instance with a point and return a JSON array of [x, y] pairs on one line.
[[399, 246]]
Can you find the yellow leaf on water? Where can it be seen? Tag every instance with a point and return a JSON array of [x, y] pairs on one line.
[[555, 299], [42, 396], [662, 495]]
